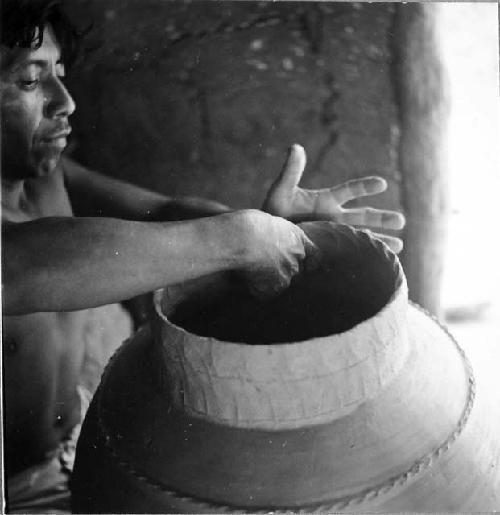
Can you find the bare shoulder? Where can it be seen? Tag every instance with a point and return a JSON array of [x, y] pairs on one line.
[[36, 198]]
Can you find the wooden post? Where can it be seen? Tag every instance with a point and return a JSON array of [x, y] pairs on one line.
[[422, 96]]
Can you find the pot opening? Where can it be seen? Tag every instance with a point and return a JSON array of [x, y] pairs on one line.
[[346, 289]]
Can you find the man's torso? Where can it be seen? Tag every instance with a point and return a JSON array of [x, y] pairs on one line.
[[46, 354]]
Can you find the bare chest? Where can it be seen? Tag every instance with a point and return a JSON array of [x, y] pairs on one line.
[[42, 359], [46, 356]]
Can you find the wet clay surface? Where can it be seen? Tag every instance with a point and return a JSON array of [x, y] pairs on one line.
[[353, 282]]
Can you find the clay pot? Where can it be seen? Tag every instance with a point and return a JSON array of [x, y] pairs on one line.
[[338, 395]]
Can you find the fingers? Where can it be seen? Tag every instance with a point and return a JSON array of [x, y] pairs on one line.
[[267, 285], [395, 244], [356, 188], [293, 168], [380, 218], [290, 252], [312, 256]]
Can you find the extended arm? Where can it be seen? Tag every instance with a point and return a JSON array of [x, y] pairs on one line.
[[95, 194], [65, 264]]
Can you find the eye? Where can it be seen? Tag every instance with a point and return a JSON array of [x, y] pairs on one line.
[[29, 85]]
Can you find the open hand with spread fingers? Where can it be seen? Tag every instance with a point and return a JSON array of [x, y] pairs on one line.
[[286, 199]]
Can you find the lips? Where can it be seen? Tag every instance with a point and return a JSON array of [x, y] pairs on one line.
[[56, 139], [57, 135]]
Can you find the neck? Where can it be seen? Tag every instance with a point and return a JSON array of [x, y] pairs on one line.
[[13, 192]]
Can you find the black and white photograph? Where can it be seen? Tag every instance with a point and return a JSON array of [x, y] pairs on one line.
[[250, 256]]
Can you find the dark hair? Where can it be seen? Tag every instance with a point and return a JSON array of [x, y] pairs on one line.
[[23, 22]]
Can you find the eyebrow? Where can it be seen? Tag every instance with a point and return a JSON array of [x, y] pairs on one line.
[[42, 63], [39, 62]]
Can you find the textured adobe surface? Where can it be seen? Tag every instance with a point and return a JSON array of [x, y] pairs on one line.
[[203, 98]]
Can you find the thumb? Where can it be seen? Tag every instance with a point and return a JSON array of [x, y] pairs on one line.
[[293, 168]]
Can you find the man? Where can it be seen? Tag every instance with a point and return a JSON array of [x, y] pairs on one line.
[[74, 241]]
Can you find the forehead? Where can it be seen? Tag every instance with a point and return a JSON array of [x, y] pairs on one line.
[[49, 53]]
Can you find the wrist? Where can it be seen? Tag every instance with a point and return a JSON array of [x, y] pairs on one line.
[[227, 238], [240, 234]]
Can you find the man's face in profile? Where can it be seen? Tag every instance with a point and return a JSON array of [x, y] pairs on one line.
[[35, 107]]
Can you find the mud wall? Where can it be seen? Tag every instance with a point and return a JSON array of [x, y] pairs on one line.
[[203, 98]]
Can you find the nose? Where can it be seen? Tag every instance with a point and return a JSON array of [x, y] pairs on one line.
[[58, 102]]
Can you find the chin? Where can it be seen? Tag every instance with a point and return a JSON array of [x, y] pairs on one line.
[[47, 165]]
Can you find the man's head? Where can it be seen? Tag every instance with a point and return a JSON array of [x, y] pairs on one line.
[[36, 42]]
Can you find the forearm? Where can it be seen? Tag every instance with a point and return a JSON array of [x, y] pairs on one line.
[[95, 194], [184, 208], [64, 264]]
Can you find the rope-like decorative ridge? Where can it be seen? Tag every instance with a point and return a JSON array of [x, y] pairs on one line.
[[333, 505]]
